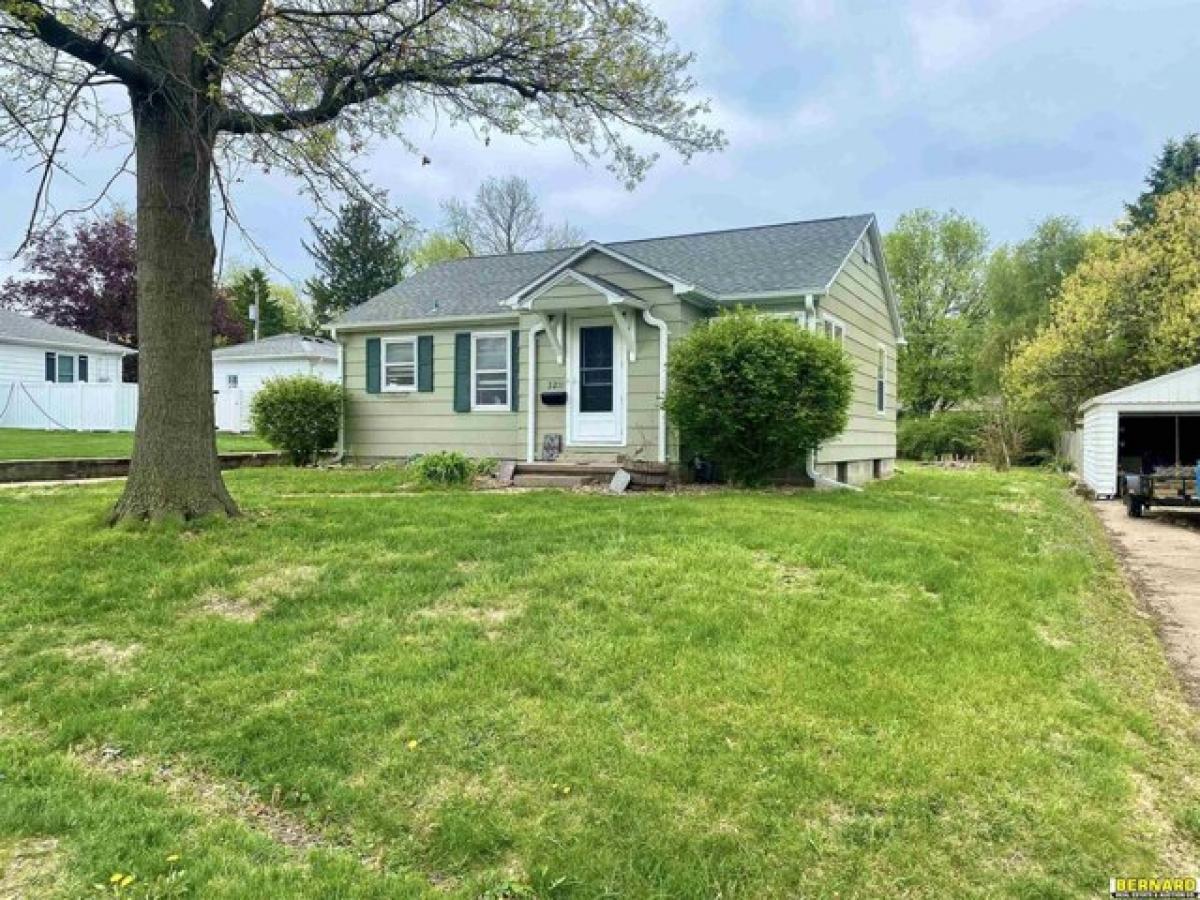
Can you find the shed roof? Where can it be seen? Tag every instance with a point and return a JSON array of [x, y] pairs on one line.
[[1180, 386], [280, 345]]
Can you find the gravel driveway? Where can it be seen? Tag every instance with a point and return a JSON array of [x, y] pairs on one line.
[[1161, 554]]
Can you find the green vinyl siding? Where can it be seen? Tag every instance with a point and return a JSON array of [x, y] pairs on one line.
[[400, 425], [857, 299]]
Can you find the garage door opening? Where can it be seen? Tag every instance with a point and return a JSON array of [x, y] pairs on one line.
[[1151, 442]]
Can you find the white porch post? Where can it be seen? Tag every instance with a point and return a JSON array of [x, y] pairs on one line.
[[531, 413]]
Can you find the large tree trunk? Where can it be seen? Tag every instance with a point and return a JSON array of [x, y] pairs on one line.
[[175, 471]]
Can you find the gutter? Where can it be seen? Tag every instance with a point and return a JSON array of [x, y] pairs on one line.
[[663, 338]]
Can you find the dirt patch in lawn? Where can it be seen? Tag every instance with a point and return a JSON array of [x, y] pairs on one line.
[[114, 656], [490, 618], [1162, 563], [212, 796], [258, 595], [214, 603], [30, 867], [787, 575]]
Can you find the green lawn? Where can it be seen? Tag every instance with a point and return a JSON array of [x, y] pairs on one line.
[[21, 443], [935, 688]]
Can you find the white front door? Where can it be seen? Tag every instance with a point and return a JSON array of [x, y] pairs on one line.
[[596, 385]]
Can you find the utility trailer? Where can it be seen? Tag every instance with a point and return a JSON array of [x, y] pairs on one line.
[[1174, 486]]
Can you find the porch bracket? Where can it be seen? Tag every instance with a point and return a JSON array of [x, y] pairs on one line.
[[553, 326], [628, 328]]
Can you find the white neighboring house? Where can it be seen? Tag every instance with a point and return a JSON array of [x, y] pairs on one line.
[[57, 378], [33, 350], [240, 370]]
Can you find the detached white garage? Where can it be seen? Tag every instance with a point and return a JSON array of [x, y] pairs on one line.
[[240, 370], [1140, 428]]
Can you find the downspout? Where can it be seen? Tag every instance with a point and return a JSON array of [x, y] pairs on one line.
[[810, 461], [531, 414], [663, 338], [819, 480], [341, 365]]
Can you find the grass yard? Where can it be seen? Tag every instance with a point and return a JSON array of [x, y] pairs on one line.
[[21, 443], [936, 688]]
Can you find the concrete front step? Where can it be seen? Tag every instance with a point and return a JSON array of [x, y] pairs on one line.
[[645, 476], [582, 470], [566, 482]]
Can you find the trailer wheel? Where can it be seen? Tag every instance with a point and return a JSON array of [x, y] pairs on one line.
[[1134, 506]]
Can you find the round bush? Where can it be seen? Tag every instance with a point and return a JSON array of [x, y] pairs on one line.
[[756, 394], [298, 415]]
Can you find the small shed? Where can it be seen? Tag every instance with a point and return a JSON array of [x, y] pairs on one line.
[[1141, 428]]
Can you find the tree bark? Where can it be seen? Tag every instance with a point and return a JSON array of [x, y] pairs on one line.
[[175, 471]]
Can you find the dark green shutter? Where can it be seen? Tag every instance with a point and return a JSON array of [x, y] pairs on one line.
[[51, 367], [372, 365], [83, 368], [514, 377], [425, 363], [462, 372]]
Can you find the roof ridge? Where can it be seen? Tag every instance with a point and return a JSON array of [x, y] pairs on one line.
[[660, 237], [687, 234]]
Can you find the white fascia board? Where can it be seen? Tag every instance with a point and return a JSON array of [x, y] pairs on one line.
[[677, 286], [871, 232], [109, 349], [614, 298]]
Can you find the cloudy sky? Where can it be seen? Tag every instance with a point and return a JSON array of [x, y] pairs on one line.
[[1007, 110]]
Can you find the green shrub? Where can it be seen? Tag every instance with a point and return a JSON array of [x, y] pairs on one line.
[[755, 394], [447, 467], [299, 415], [942, 434], [962, 434]]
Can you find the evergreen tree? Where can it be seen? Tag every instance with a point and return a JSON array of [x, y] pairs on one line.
[[252, 287], [357, 259], [1177, 166]]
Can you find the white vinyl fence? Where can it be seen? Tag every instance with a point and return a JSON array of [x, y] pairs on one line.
[[82, 406]]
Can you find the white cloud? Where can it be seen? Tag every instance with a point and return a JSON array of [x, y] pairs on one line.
[[949, 33]]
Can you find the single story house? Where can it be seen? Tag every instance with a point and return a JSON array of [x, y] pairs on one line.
[[35, 351], [239, 370], [1140, 427], [563, 353]]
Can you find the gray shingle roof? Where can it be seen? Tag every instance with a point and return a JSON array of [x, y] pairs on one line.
[[797, 256], [26, 329], [280, 345]]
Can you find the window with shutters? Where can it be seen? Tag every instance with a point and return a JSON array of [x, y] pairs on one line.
[[66, 368], [491, 357], [400, 364]]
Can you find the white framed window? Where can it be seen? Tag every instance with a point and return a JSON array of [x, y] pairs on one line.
[[881, 363], [491, 359], [864, 248], [399, 364], [832, 328], [231, 381]]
